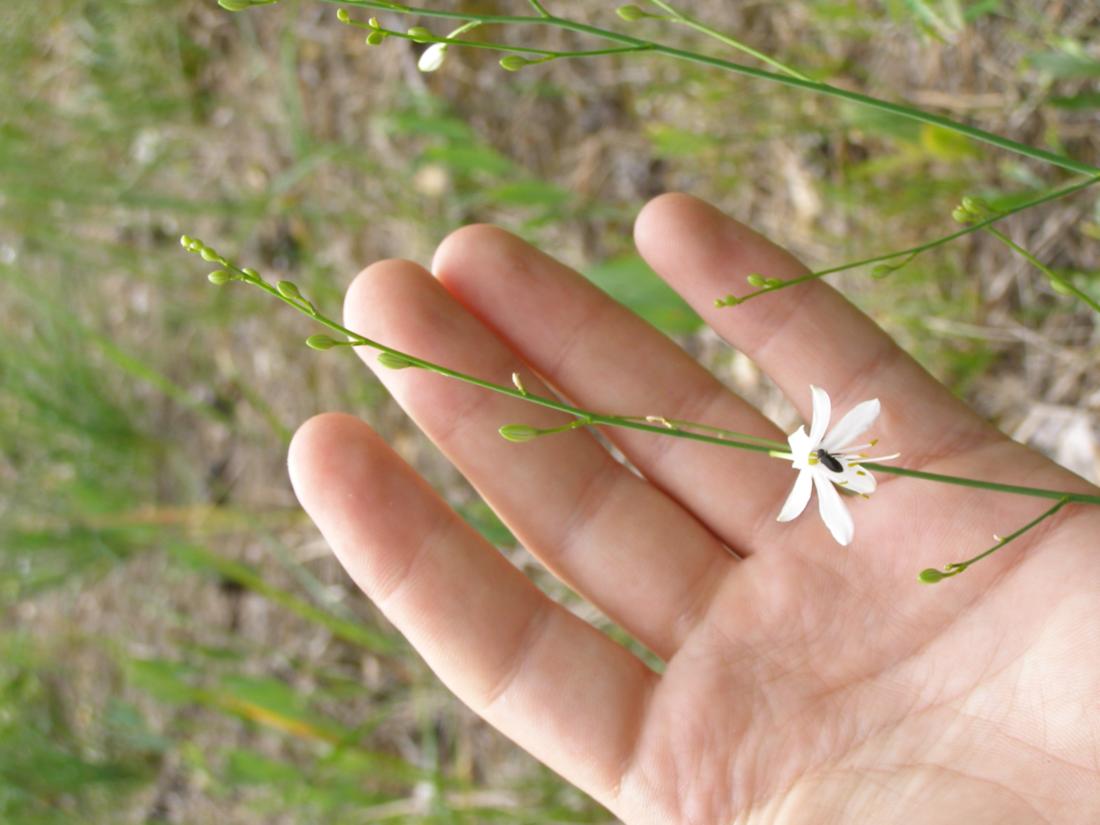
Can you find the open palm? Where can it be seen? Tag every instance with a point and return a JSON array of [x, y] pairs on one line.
[[804, 682]]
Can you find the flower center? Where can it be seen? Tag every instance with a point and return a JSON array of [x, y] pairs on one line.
[[830, 461]]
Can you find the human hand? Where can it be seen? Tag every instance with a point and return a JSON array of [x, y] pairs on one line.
[[803, 682]]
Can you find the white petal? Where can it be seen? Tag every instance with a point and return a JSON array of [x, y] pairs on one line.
[[799, 497], [852, 426], [432, 57], [833, 512], [800, 448], [859, 480], [822, 411]]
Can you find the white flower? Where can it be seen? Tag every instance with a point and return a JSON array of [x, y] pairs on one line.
[[824, 460], [432, 57]]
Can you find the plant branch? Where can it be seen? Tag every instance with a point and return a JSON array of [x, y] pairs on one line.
[[932, 575], [900, 109], [913, 251], [1057, 281], [289, 294], [677, 16]]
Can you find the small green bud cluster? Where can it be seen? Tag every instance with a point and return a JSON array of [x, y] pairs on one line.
[[219, 277], [377, 34], [972, 210], [241, 5], [761, 282]]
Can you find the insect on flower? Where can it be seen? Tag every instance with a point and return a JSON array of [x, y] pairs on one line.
[[826, 461]]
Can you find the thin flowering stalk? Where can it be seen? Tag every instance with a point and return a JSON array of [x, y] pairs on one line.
[[641, 44], [881, 264], [889, 261], [849, 470], [288, 293], [396, 359], [419, 35]]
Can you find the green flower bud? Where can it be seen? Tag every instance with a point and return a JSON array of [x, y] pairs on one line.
[[756, 280], [977, 206], [519, 432], [419, 34], [374, 38], [220, 277], [881, 270], [393, 361], [931, 576], [961, 215], [630, 13], [288, 289], [343, 16], [321, 342], [513, 63]]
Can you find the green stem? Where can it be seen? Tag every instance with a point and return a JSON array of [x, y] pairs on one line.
[[932, 575], [679, 17], [913, 251], [1055, 279], [680, 424], [450, 40], [1035, 492], [902, 110], [537, 6]]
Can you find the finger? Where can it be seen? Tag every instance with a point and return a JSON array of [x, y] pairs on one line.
[[543, 677], [604, 357], [802, 335], [619, 541]]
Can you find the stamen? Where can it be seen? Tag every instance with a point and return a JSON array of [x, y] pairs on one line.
[[854, 450], [883, 458]]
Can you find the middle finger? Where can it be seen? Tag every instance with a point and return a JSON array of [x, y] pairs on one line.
[[605, 358]]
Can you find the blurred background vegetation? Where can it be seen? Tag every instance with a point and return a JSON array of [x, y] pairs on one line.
[[176, 643]]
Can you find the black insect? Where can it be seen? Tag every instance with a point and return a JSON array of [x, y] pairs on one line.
[[830, 461]]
